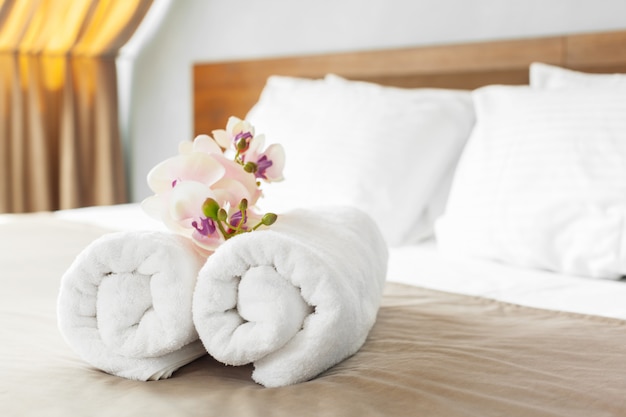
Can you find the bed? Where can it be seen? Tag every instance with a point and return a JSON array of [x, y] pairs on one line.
[[477, 318]]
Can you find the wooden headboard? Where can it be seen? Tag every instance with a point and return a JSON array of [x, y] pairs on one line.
[[222, 89]]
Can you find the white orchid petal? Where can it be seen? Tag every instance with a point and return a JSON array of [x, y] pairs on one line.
[[206, 144], [232, 123], [179, 227], [255, 148], [153, 206], [232, 191], [186, 200], [195, 166], [185, 147], [157, 207], [199, 167], [276, 154], [236, 172], [160, 176], [223, 138], [208, 243]]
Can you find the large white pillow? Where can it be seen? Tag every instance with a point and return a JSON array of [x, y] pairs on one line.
[[542, 182], [553, 77], [390, 151]]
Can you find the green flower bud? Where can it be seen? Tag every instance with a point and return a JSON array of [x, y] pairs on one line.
[[222, 215], [210, 208], [269, 219], [243, 205], [250, 167], [242, 144]]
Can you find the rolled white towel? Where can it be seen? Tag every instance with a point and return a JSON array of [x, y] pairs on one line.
[[125, 304], [294, 299]]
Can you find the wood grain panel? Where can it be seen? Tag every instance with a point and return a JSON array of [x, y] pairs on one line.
[[222, 89], [599, 52]]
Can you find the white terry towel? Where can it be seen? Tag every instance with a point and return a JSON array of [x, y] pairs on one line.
[[294, 299], [125, 304]]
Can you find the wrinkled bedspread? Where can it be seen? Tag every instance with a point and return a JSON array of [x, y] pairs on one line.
[[430, 353]]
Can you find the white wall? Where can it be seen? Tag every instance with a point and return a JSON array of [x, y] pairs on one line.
[[155, 68]]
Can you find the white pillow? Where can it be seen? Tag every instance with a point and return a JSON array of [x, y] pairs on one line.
[[552, 77], [389, 151], [542, 182]]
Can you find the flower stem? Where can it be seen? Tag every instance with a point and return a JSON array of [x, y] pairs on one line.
[[224, 232]]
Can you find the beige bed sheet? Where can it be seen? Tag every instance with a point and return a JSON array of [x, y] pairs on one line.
[[429, 354]]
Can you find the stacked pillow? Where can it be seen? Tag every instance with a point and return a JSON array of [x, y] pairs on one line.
[[546, 76], [542, 180], [388, 151]]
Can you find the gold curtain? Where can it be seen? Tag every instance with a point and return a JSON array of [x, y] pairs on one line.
[[59, 134]]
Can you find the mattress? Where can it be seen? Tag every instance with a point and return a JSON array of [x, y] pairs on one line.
[[452, 338], [423, 265]]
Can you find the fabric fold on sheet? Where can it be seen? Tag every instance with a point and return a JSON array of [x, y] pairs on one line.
[[294, 299], [125, 304]]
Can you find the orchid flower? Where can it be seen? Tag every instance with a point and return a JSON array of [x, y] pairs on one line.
[[267, 164], [201, 143], [180, 209], [195, 166], [234, 178], [202, 194], [238, 134]]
